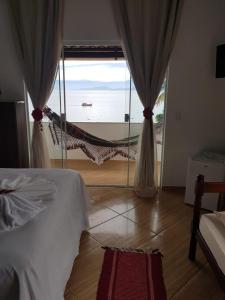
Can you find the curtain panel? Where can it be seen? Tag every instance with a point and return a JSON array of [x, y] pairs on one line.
[[147, 30], [38, 28]]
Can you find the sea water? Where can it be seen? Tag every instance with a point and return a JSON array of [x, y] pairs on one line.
[[109, 106]]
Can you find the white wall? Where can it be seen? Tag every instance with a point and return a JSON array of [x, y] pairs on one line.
[[11, 83], [89, 22], [196, 99]]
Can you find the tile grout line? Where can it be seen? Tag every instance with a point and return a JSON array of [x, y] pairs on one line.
[[118, 214], [95, 239], [136, 223], [103, 222], [122, 212], [141, 225]]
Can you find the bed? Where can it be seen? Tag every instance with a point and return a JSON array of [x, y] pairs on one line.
[[213, 233], [36, 259]]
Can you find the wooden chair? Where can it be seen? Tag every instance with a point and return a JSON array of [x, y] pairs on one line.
[[196, 236]]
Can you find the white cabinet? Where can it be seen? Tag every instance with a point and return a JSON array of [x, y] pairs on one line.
[[213, 170]]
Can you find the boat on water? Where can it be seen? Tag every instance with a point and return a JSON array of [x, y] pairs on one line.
[[86, 104]]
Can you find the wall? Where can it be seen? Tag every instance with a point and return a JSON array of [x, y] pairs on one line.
[[89, 22], [195, 114], [11, 83]]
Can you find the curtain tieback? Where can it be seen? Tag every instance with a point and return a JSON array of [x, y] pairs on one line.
[[38, 115], [147, 113]]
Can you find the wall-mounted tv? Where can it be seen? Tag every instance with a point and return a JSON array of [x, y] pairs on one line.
[[220, 61]]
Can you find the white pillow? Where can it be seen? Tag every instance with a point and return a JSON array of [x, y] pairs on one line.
[[220, 216]]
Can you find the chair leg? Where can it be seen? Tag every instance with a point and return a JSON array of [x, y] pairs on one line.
[[199, 190], [192, 249]]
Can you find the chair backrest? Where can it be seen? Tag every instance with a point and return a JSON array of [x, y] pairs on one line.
[[208, 187], [203, 187]]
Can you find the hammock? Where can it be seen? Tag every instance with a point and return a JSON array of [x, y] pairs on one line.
[[97, 149]]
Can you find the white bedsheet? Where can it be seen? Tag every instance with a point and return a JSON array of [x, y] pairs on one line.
[[24, 199], [213, 232], [36, 259]]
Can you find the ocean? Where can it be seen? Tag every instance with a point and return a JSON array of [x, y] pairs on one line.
[[108, 106]]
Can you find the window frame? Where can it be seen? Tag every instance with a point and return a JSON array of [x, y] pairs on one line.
[[93, 52]]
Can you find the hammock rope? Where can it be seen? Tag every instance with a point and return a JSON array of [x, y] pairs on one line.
[[97, 149]]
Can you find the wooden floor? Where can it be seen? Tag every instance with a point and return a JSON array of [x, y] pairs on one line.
[[118, 218]]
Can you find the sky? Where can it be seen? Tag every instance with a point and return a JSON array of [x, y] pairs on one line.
[[96, 71]]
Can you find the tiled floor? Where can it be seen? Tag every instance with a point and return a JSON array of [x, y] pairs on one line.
[[119, 218]]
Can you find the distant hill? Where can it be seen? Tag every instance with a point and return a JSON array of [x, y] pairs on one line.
[[95, 85]]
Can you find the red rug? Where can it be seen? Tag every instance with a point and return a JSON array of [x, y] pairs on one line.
[[131, 275]]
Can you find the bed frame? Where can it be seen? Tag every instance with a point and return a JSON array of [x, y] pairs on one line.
[[196, 236]]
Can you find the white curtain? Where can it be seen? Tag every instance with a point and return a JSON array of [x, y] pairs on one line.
[[147, 29], [38, 26]]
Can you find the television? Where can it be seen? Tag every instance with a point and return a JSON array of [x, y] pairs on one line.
[[220, 61]]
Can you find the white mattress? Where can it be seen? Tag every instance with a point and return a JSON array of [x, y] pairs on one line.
[[36, 259], [213, 232]]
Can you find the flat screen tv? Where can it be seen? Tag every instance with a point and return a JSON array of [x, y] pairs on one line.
[[220, 61]]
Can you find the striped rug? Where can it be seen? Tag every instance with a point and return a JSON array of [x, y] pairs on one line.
[[131, 275]]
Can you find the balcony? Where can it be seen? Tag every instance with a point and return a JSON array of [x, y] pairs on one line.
[[118, 171]]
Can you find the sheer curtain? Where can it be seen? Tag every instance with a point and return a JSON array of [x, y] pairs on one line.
[[38, 30], [147, 29]]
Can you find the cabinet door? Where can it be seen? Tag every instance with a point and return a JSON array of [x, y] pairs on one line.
[[212, 172], [22, 140], [13, 134], [8, 134]]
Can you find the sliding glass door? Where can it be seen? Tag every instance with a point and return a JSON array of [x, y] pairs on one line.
[[95, 119], [97, 102]]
